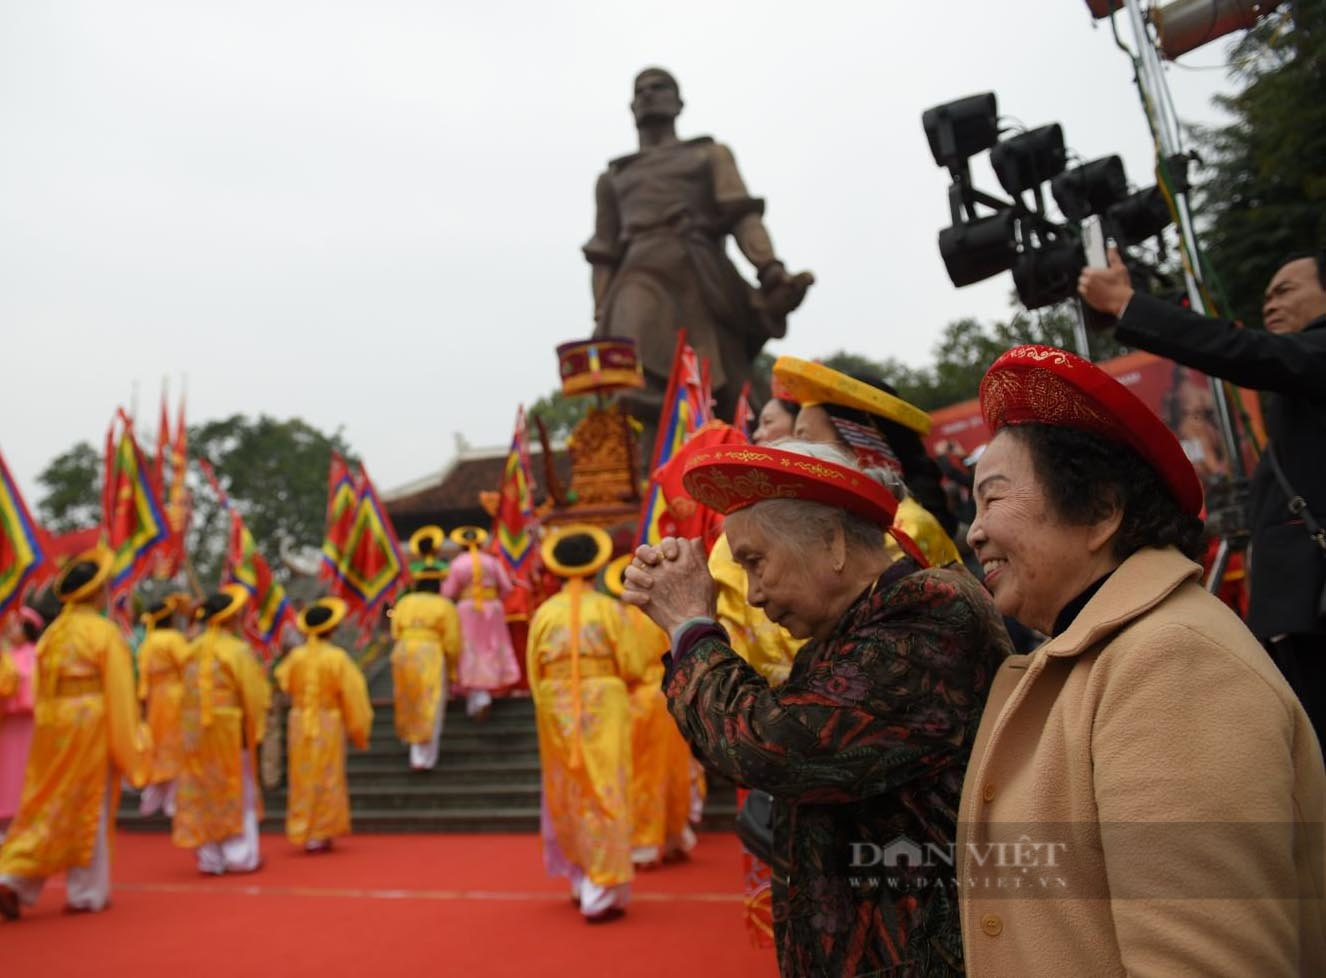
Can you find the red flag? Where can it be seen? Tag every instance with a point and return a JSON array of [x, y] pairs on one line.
[[371, 568], [686, 406], [513, 524], [23, 560], [685, 517], [163, 440], [132, 520], [743, 417], [342, 499], [246, 566], [179, 504]]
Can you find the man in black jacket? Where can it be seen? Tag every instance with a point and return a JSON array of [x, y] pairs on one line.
[[1287, 360]]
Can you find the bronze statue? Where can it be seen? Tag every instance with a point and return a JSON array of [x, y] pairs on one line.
[[659, 261]]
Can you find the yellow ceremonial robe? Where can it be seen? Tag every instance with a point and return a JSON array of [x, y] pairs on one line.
[[578, 677], [160, 685], [660, 760], [920, 524], [86, 734], [224, 713], [8, 675], [426, 628], [329, 702], [767, 647]]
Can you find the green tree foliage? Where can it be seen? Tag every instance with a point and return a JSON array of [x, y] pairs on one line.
[[73, 490], [1264, 195], [558, 413], [275, 473], [965, 351]]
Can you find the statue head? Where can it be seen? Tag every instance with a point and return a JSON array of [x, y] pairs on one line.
[[657, 97]]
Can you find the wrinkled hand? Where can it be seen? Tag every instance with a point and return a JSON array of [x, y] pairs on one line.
[[670, 582], [1106, 290]]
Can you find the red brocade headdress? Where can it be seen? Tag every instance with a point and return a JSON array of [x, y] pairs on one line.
[[731, 477], [1044, 385]]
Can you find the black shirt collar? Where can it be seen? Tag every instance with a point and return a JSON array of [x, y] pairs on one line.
[[1074, 607]]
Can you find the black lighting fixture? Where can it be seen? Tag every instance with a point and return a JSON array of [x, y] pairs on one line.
[[1048, 273], [1092, 188], [1139, 216], [1025, 161], [960, 129], [977, 250]]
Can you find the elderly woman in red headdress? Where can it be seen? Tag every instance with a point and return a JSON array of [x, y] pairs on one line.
[[1148, 768], [864, 745]]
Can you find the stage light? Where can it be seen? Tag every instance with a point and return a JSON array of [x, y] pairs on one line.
[[1047, 274], [1139, 216], [960, 129], [1186, 25], [1092, 188], [1029, 159], [979, 249]]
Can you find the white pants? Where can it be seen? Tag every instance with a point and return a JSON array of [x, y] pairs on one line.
[[595, 899], [86, 887], [239, 853], [477, 700], [159, 797], [423, 757]]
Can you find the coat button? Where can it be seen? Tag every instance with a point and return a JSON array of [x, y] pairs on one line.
[[992, 925], [988, 792]]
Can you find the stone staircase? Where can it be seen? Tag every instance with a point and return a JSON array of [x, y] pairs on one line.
[[487, 776]]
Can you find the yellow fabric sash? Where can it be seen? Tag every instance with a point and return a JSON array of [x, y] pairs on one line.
[[206, 657], [476, 578], [574, 587], [312, 688]]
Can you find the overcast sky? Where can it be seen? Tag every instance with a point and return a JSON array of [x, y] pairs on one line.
[[369, 214]]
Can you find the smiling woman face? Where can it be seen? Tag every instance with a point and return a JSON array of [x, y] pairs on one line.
[[1034, 562]]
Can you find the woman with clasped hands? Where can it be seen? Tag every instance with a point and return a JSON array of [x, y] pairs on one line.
[[864, 745], [1145, 796]]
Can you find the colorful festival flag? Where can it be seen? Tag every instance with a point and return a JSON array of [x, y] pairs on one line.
[[371, 566], [513, 523], [685, 517], [132, 520], [743, 418], [342, 499], [22, 544], [246, 566], [687, 405]]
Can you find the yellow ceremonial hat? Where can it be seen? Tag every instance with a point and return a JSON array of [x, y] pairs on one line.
[[576, 550], [224, 605], [809, 383], [469, 536], [614, 575], [162, 611], [322, 616], [85, 574], [434, 537]]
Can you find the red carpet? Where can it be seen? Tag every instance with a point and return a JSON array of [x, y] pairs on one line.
[[450, 904]]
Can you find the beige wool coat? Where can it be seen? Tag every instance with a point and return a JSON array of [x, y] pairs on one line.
[[1145, 797]]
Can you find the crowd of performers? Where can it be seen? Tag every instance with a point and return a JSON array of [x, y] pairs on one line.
[[75, 726]]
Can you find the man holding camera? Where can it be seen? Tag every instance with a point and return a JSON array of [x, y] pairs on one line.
[[1287, 558]]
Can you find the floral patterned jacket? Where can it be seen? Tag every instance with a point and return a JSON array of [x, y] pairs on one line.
[[864, 749]]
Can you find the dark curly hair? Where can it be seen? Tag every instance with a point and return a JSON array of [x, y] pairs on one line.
[[1085, 477]]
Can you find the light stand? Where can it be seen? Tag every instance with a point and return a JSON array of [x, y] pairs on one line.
[[1159, 107]]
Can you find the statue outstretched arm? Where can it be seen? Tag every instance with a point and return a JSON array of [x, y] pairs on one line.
[[741, 213], [603, 251]]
